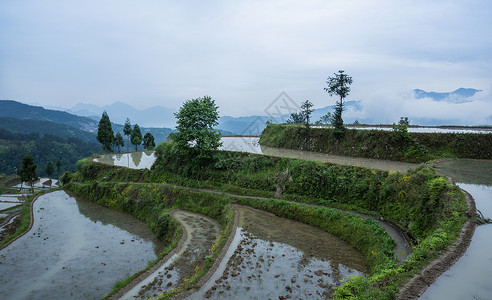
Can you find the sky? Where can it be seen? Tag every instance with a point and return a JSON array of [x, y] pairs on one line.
[[244, 54]]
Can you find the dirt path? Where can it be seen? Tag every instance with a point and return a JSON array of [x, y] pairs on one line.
[[377, 164]]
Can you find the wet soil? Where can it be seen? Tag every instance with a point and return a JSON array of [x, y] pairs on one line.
[[201, 233], [273, 257]]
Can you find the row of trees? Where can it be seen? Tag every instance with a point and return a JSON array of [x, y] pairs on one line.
[[110, 141]]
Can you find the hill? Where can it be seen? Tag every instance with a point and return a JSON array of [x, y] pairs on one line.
[[14, 146], [46, 127], [67, 125], [10, 108]]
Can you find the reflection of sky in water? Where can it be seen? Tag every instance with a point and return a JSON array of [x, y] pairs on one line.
[[134, 160], [428, 129], [265, 269], [272, 257], [470, 277], [242, 144], [76, 250]]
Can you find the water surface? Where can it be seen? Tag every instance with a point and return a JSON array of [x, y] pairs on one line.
[[132, 160], [76, 249], [470, 277], [274, 257]]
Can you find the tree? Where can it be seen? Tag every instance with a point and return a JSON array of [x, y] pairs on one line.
[[306, 111], [148, 141], [404, 121], [50, 169], [296, 118], [105, 134], [118, 141], [136, 136], [340, 86], [58, 166], [195, 134], [127, 130], [27, 172]]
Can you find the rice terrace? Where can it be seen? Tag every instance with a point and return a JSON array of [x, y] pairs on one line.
[[245, 150]]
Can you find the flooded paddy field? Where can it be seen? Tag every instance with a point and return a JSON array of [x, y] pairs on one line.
[[201, 234], [471, 276], [75, 249], [273, 257], [132, 160]]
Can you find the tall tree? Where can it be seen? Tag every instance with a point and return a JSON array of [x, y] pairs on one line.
[[148, 141], [195, 134], [338, 85], [127, 130], [58, 166], [105, 133], [136, 136], [50, 169], [306, 107], [296, 118], [118, 141], [27, 172]]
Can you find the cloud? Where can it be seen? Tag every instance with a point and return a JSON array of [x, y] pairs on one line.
[[242, 53]]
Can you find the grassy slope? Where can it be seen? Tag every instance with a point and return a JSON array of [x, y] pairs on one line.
[[422, 201]]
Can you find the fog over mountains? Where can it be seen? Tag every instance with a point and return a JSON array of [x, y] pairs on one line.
[[159, 116]]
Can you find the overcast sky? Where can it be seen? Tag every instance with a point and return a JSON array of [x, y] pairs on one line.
[[245, 53]]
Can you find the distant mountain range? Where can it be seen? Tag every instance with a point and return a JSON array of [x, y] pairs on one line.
[[460, 95], [156, 116], [23, 118]]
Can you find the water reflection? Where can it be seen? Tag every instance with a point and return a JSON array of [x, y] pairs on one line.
[[133, 160], [70, 253], [470, 277], [276, 257]]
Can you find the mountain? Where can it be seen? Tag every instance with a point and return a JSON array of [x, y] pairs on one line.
[[23, 119], [46, 127], [254, 125], [156, 116], [457, 96], [14, 109]]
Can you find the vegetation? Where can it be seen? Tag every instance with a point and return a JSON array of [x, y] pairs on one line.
[[338, 85], [148, 141], [195, 134], [398, 145], [14, 146], [127, 130], [302, 117], [307, 109], [421, 201], [27, 172], [118, 141], [50, 168], [151, 203], [105, 134], [136, 136]]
